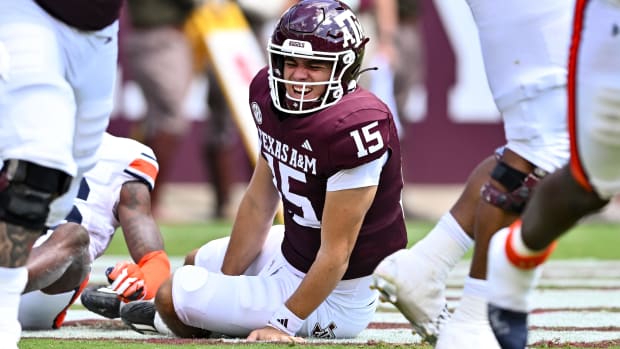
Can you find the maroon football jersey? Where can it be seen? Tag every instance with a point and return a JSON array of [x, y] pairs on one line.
[[303, 152], [83, 14]]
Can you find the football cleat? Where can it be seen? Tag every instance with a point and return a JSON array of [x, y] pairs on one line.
[[510, 291], [510, 287], [509, 327], [416, 289], [101, 300], [140, 316]]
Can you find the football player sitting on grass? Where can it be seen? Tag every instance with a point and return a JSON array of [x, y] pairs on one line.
[[330, 154]]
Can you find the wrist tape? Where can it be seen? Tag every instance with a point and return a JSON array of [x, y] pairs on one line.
[[286, 321]]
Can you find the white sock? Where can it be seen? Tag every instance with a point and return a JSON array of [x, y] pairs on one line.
[[446, 243], [475, 287], [469, 324], [161, 327], [12, 283], [510, 287], [473, 304]]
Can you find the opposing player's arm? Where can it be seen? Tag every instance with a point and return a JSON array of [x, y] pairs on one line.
[[139, 280], [141, 232], [253, 221]]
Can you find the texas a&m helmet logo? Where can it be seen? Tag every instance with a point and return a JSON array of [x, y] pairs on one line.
[[351, 29]]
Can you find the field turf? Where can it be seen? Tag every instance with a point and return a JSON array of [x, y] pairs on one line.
[[591, 241]]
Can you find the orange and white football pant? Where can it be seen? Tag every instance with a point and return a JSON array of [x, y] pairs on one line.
[[594, 94], [203, 297]]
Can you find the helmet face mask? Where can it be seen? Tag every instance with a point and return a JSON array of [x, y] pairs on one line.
[[316, 30]]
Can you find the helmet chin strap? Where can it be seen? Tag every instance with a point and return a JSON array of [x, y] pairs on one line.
[[353, 83]]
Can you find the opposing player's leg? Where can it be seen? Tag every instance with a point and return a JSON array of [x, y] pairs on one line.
[[59, 260], [509, 325], [32, 174], [532, 102], [574, 191], [527, 158], [516, 253], [414, 279], [43, 311], [36, 127], [36, 138], [502, 197], [506, 183], [26, 191], [58, 269], [420, 295]]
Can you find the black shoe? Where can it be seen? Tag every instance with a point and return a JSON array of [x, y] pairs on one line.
[[101, 300], [140, 316], [509, 327]]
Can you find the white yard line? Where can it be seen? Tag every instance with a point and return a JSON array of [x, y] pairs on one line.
[[567, 315]]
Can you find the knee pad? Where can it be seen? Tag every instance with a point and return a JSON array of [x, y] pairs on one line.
[[26, 191], [519, 186]]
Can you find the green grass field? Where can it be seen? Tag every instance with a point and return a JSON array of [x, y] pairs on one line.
[[591, 240], [587, 241]]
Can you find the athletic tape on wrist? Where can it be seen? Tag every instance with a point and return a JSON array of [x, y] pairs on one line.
[[286, 321]]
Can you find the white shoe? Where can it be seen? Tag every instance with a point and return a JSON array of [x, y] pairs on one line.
[[468, 327], [407, 280]]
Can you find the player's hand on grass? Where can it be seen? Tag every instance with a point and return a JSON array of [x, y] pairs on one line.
[[127, 280], [271, 334]]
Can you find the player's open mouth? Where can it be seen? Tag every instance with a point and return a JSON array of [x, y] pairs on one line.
[[300, 90]]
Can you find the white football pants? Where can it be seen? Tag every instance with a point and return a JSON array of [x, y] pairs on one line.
[[235, 305]]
